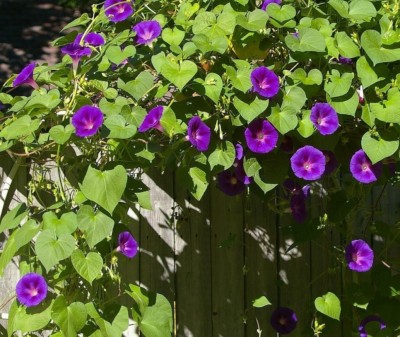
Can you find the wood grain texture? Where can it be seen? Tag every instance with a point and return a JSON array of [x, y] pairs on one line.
[[227, 260], [193, 266], [157, 237], [261, 264]]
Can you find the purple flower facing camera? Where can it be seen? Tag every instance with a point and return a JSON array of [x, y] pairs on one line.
[[31, 289], [147, 31], [127, 244], [118, 10]]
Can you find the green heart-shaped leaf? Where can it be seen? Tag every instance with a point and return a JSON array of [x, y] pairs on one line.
[[96, 226], [179, 74], [309, 39], [223, 155], [51, 249], [173, 36], [250, 110], [139, 86], [378, 148], [105, 187], [118, 128], [89, 266], [213, 85], [70, 318], [116, 55], [371, 41], [329, 305], [61, 134], [65, 225]]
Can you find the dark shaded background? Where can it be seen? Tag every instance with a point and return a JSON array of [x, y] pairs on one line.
[[26, 30]]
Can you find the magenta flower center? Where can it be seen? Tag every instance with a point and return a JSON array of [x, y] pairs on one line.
[[260, 135], [319, 120], [33, 291], [354, 257], [147, 35], [264, 85], [194, 134], [307, 165], [233, 181], [120, 9], [365, 167]]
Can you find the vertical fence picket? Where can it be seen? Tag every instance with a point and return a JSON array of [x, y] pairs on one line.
[[261, 264], [157, 265], [227, 265], [294, 274], [193, 266]]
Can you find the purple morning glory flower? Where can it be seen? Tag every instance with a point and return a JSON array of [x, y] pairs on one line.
[[283, 320], [118, 10], [92, 39], [345, 60], [324, 118], [265, 82], [152, 119], [261, 136], [362, 169], [26, 77], [87, 120], [331, 162], [239, 151], [372, 318], [76, 52], [359, 256], [308, 163], [147, 31], [31, 289], [267, 2], [298, 207], [199, 134], [228, 182], [127, 244]]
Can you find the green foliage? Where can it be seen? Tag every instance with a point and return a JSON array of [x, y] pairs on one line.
[[329, 305], [82, 190]]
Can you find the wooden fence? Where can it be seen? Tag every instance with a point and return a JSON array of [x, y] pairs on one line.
[[212, 258]]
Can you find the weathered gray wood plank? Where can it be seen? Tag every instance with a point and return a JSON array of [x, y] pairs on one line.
[[261, 264], [294, 274], [193, 261], [157, 264], [227, 265]]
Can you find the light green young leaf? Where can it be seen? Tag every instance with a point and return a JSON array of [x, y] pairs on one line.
[[250, 110], [179, 74], [377, 147], [61, 134], [329, 305], [261, 302], [19, 238], [173, 36], [51, 249], [223, 155], [118, 128], [70, 318], [105, 187], [338, 84], [371, 41], [97, 226], [65, 225], [200, 182], [138, 87], [89, 266]]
